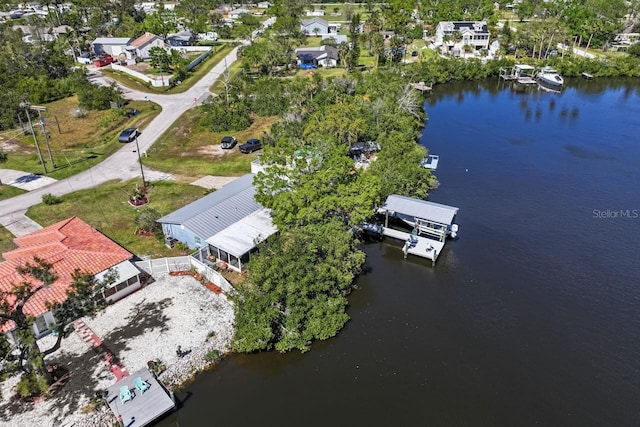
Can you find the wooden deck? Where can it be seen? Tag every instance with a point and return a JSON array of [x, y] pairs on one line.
[[419, 245], [145, 407]]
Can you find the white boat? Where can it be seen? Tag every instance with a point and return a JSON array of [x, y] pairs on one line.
[[430, 162], [549, 76]]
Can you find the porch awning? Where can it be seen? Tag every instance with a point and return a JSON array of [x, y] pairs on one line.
[[126, 270], [244, 235]]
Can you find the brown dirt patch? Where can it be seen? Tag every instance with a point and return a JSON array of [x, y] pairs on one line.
[[213, 151], [141, 67], [13, 146]]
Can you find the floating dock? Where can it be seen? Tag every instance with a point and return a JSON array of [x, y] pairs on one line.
[[432, 224], [144, 408]]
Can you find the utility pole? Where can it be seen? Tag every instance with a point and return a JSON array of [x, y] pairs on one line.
[[26, 106], [144, 183], [44, 132]]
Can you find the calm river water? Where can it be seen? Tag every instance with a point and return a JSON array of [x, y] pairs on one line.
[[532, 317]]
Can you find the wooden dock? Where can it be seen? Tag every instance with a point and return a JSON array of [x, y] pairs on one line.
[[416, 245], [145, 407]]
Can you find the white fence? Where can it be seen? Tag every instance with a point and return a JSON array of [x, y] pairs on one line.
[[156, 81], [184, 263]]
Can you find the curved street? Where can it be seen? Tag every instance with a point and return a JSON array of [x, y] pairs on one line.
[[123, 164]]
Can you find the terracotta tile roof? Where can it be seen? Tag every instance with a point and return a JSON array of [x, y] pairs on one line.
[[69, 245], [143, 40]]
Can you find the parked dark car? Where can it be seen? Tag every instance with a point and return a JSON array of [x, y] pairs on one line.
[[128, 135], [228, 142], [251, 146], [414, 53]]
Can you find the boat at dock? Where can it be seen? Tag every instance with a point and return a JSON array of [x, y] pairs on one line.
[[548, 76], [430, 162]]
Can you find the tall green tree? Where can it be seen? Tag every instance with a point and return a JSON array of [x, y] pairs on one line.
[[161, 22], [296, 288], [310, 184], [354, 37]]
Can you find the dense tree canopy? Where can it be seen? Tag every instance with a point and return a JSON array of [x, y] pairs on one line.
[[296, 289], [297, 284]]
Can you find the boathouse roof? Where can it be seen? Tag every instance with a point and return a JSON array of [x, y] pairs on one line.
[[422, 209]]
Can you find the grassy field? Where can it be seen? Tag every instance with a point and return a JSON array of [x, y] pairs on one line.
[[8, 191], [105, 208], [76, 143], [189, 150], [133, 83], [234, 69], [336, 13], [6, 240]]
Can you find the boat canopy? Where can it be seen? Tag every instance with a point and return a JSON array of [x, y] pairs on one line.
[[422, 209]]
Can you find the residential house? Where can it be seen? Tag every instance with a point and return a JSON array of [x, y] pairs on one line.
[[264, 5], [140, 47], [452, 37], [224, 226], [114, 46], [321, 56], [183, 38], [314, 26], [237, 13], [316, 12], [387, 35], [335, 38], [68, 245]]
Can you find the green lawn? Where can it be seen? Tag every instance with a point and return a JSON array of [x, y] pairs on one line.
[[6, 240], [106, 208], [77, 143], [189, 150], [125, 79], [9, 191]]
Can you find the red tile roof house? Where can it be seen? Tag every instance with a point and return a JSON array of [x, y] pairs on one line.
[[68, 245]]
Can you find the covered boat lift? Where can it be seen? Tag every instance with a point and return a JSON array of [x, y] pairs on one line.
[[431, 223]]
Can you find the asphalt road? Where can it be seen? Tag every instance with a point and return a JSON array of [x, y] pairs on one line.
[[123, 164]]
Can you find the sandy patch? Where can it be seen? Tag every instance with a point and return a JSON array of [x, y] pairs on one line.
[[213, 182], [213, 151]]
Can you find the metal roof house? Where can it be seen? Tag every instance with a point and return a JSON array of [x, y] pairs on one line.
[[314, 26], [225, 226], [113, 46]]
